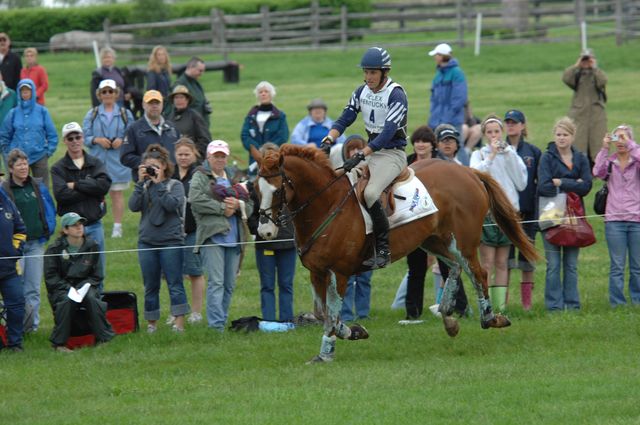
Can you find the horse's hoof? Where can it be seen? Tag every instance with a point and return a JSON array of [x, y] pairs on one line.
[[498, 321], [451, 325], [320, 359], [358, 332]]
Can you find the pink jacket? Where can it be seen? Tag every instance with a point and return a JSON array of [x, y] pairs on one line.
[[39, 76], [623, 202]]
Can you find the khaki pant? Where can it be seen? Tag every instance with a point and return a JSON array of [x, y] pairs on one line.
[[384, 166]]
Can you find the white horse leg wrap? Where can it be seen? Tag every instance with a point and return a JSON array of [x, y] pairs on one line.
[[328, 347], [343, 331]]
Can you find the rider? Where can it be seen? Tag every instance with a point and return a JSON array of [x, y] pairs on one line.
[[384, 107]]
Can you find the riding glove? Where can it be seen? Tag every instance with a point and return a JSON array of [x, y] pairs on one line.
[[326, 144], [353, 161]]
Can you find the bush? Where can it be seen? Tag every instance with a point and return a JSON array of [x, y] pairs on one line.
[[38, 25]]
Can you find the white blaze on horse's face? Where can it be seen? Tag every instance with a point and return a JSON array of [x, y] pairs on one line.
[[266, 228]]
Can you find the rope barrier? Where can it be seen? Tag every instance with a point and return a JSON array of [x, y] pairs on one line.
[[119, 251]]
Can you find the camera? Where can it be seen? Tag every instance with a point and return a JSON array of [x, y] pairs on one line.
[[502, 145], [614, 138], [585, 58], [151, 171]]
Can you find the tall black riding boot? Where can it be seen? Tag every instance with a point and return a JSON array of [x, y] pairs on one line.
[[382, 256]]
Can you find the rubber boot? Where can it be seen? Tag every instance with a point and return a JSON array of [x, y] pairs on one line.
[[382, 256], [498, 298], [525, 295]]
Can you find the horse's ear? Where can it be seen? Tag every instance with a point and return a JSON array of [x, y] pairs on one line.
[[255, 153]]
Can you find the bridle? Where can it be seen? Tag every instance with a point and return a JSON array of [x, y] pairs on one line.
[[283, 218]]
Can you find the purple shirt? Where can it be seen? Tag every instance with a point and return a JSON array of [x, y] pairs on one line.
[[623, 202]]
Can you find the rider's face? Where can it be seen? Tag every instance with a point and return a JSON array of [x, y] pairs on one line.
[[373, 78]]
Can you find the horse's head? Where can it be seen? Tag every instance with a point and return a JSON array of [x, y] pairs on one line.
[[269, 187]]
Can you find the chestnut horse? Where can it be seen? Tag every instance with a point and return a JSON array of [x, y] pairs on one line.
[[330, 229]]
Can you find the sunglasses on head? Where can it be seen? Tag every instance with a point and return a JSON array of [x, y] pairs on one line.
[[107, 91], [75, 138]]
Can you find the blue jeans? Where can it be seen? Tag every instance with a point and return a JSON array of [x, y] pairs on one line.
[[359, 294], [152, 263], [32, 267], [561, 292], [221, 264], [13, 298], [623, 237], [282, 262], [96, 232]]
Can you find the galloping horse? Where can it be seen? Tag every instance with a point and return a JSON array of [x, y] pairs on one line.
[[330, 229]]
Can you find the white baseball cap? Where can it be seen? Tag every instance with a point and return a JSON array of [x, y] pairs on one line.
[[107, 83], [218, 146], [441, 49], [71, 127]]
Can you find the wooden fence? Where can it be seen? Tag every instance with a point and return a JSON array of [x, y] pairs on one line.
[[316, 27]]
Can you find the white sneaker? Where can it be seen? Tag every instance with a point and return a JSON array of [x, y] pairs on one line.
[[174, 328], [116, 232], [194, 318], [151, 328], [170, 320], [434, 310]]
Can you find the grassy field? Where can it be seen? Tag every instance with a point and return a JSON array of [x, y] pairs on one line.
[[558, 369]]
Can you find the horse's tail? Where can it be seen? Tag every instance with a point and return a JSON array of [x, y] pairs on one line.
[[506, 217]]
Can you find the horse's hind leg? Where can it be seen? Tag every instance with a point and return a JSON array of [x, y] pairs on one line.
[[448, 301], [479, 279]]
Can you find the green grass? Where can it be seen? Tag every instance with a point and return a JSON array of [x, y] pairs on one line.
[[546, 368]]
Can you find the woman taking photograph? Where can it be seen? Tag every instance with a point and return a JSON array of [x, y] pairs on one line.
[[499, 159], [104, 128], [219, 231], [562, 169], [72, 261], [160, 199], [622, 215]]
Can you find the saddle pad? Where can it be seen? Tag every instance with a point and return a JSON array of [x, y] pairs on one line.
[[412, 202]]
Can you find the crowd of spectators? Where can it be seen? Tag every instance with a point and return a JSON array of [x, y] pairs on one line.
[[195, 218]]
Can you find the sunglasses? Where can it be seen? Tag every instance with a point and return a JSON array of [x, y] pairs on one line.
[[2, 39], [107, 91], [73, 138]]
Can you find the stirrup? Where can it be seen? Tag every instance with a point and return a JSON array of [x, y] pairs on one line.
[[380, 260]]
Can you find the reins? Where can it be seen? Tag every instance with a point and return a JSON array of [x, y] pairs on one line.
[[284, 218]]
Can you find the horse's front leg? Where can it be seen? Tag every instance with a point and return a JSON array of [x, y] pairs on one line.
[[327, 289]]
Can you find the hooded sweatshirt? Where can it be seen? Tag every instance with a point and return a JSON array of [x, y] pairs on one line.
[[29, 127]]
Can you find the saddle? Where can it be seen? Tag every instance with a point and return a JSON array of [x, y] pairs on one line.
[[387, 199]]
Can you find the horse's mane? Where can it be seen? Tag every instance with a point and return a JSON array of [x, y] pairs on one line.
[[308, 153]]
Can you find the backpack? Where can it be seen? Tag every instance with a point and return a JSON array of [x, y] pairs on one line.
[[123, 115], [247, 324]]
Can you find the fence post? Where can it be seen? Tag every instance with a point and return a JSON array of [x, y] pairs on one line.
[[619, 23], [106, 27], [315, 23], [266, 25], [344, 26], [218, 31], [459, 9], [401, 21], [580, 10]]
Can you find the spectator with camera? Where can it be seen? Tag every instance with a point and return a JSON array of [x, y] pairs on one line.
[[621, 170], [151, 129], [501, 160], [161, 202], [104, 128], [80, 183], [190, 79], [588, 83]]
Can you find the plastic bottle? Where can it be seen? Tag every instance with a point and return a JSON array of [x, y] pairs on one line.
[[266, 326]]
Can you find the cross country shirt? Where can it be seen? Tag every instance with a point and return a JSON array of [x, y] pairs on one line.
[[384, 114]]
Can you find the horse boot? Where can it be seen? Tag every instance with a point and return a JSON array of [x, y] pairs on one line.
[[382, 256], [525, 295]]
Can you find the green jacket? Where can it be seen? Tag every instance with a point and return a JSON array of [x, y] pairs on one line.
[[199, 101], [209, 212], [66, 270]]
